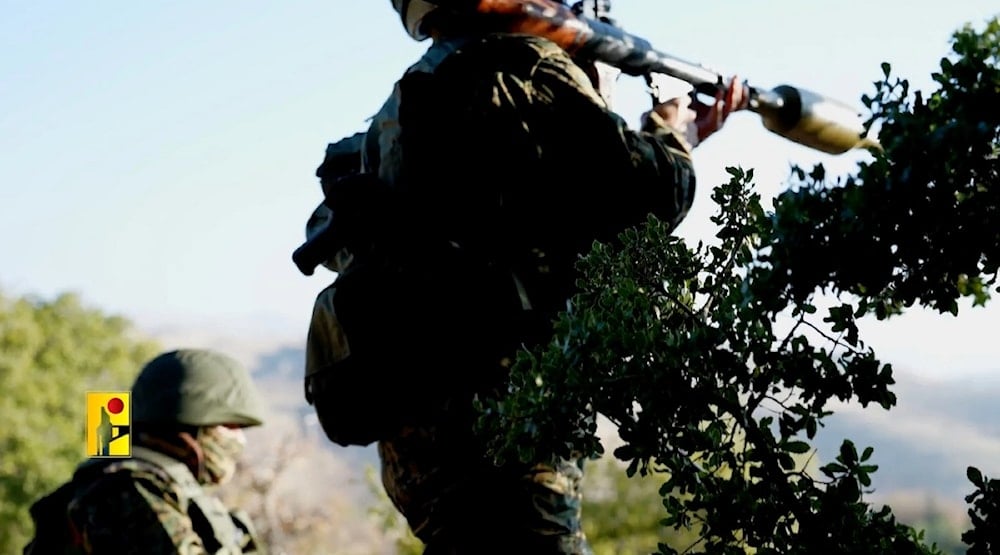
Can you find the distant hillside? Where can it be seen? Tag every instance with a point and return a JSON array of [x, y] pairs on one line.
[[926, 442]]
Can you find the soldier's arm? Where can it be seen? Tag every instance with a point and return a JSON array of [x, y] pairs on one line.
[[127, 515], [652, 165]]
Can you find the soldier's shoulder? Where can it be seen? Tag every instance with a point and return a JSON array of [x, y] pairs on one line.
[[129, 481], [127, 500], [522, 45], [543, 46], [481, 58], [129, 503]]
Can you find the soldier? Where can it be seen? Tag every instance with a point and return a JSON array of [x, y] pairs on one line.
[[189, 411], [459, 215]]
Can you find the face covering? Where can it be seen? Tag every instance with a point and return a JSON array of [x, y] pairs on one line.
[[221, 447]]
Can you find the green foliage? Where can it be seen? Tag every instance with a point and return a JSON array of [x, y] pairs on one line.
[[623, 515], [685, 350], [984, 537], [51, 353], [659, 341], [918, 223]]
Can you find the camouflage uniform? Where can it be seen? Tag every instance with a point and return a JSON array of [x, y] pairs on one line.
[[156, 501], [511, 130]]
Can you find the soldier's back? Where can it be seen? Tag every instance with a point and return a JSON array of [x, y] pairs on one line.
[[132, 506]]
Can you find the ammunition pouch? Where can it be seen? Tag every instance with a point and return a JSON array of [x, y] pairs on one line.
[[389, 344]]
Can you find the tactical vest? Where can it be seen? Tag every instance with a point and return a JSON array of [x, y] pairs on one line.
[[222, 532]]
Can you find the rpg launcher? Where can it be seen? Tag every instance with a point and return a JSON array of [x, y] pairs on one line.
[[797, 114]]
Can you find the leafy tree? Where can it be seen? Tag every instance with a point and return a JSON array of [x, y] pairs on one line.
[[984, 537], [51, 353], [717, 361], [622, 515]]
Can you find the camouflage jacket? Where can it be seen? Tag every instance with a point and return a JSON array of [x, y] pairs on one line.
[[511, 130], [148, 504]]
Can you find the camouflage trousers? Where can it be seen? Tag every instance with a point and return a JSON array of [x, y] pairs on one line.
[[556, 532], [538, 512]]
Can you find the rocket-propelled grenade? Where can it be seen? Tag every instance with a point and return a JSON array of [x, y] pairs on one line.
[[800, 115]]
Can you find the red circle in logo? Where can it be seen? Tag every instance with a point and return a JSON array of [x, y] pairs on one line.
[[115, 405]]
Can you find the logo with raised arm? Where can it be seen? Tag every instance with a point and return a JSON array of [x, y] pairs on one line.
[[109, 423]]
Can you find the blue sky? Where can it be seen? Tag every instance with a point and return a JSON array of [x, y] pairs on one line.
[[158, 157]]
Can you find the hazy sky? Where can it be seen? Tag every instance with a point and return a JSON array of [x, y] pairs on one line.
[[158, 157]]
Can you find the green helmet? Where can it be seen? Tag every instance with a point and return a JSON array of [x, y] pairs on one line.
[[412, 13], [195, 387]]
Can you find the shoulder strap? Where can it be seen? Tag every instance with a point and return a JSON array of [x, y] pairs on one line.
[[438, 52], [211, 520], [178, 473]]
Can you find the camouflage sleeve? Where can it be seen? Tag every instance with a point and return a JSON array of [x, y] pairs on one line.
[[134, 515], [652, 167]]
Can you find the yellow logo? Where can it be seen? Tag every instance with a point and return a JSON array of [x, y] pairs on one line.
[[109, 423]]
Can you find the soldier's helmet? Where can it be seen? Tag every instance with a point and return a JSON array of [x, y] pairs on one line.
[[195, 387], [412, 14]]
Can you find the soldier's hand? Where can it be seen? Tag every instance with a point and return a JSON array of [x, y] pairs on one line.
[[676, 113], [711, 117]]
